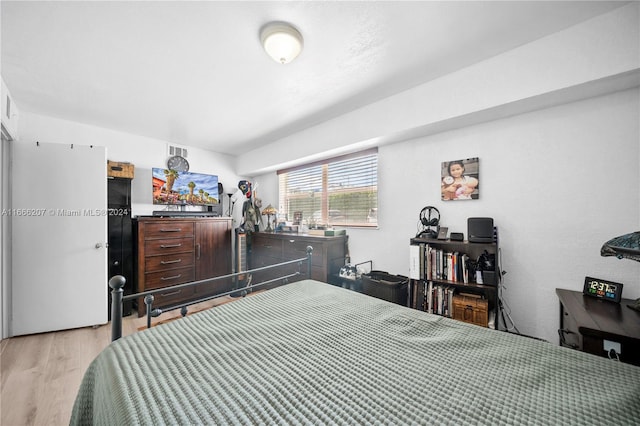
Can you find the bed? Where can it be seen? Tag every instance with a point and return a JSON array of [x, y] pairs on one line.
[[313, 353]]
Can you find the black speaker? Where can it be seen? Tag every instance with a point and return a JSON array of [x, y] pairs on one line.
[[456, 236], [480, 229]]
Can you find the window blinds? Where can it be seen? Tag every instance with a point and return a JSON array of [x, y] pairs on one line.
[[339, 191]]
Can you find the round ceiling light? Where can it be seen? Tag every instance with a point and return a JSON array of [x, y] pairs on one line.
[[281, 41]]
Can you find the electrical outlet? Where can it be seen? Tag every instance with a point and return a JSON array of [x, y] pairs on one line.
[[608, 345]]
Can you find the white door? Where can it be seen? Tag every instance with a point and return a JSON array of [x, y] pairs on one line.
[[58, 238]]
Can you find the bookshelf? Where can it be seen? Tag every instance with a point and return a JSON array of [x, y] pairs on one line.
[[443, 280]]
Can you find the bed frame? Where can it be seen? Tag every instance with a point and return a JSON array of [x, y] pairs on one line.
[[309, 352], [117, 291]]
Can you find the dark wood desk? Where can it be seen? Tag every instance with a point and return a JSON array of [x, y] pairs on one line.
[[596, 326]]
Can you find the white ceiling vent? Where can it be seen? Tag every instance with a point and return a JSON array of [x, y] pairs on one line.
[[177, 150]]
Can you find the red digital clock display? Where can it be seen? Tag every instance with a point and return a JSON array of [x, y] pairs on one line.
[[602, 289]]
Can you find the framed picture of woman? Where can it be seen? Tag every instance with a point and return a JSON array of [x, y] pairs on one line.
[[460, 179]]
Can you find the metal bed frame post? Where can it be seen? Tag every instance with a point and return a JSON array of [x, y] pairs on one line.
[[117, 284], [148, 301]]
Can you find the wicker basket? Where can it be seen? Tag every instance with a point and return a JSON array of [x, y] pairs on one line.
[[471, 309], [119, 170]]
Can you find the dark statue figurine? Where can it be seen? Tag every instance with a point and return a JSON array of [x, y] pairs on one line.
[[250, 209]]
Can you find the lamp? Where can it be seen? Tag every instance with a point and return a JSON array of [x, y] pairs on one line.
[[625, 246], [230, 210], [281, 41], [269, 211]]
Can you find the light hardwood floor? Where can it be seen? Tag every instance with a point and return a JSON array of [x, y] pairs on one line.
[[41, 373]]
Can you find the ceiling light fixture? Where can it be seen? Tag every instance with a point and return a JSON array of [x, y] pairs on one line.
[[281, 41]]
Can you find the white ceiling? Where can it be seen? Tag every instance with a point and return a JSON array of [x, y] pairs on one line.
[[194, 73]]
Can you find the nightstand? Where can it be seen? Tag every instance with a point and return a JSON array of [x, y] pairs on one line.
[[599, 327]]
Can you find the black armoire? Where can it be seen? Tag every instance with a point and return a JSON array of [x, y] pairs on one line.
[[120, 230]]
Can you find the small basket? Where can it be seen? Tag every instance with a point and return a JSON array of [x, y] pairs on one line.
[[380, 284], [471, 309], [119, 170]]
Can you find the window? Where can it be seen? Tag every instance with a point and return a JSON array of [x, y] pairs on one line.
[[339, 191]]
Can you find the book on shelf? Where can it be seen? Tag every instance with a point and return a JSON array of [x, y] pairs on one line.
[[415, 263], [430, 263], [432, 297], [441, 270]]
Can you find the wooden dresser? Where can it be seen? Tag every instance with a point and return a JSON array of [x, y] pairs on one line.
[[329, 254], [172, 251]]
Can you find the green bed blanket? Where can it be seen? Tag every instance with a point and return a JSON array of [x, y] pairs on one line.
[[312, 353]]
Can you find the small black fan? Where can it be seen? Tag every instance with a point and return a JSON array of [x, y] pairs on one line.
[[429, 222]]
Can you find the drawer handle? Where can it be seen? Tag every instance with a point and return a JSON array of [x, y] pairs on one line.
[[171, 230], [168, 262], [171, 278], [170, 294], [170, 245]]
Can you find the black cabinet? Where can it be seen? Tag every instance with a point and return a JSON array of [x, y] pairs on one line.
[[120, 233]]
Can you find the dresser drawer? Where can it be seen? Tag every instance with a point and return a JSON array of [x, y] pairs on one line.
[[273, 273], [168, 246], [271, 248], [167, 278], [266, 247], [168, 261], [295, 249], [264, 260], [176, 251], [172, 229], [317, 273], [173, 296]]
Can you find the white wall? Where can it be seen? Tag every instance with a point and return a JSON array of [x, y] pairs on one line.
[[144, 153], [10, 112], [555, 125], [558, 182]]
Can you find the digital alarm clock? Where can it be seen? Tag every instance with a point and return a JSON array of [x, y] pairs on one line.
[[602, 289]]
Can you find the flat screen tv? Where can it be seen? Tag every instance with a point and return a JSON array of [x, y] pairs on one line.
[[171, 187]]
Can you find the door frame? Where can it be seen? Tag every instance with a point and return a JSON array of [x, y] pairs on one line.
[[5, 236]]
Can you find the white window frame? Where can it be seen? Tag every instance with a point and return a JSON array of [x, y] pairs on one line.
[[322, 204]]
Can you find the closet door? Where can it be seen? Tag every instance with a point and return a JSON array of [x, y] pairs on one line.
[[59, 234]]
